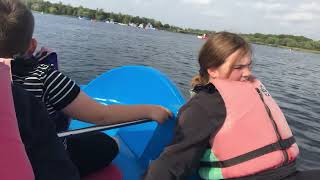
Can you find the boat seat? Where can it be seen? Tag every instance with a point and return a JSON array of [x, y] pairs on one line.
[[15, 164]]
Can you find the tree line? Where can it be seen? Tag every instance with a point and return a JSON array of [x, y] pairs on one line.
[[284, 40], [100, 15]]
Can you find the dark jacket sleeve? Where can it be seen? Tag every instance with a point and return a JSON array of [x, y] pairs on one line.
[[46, 153], [197, 121]]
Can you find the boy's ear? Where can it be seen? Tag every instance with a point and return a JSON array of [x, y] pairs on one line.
[[32, 47], [213, 73]]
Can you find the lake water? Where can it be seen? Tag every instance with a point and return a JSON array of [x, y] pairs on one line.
[[87, 49]]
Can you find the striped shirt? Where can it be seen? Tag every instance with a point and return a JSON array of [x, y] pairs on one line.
[[48, 85]]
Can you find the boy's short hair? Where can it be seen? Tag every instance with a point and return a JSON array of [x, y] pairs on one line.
[[16, 28]]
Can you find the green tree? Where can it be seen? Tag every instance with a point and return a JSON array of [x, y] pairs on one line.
[[126, 19], [69, 11], [100, 15], [167, 26], [270, 40], [308, 45], [158, 25], [292, 43], [53, 10], [36, 7]]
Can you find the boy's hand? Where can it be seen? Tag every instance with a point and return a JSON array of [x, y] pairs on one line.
[[160, 114]]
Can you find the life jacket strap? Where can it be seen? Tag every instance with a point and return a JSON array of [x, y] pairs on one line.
[[282, 144]]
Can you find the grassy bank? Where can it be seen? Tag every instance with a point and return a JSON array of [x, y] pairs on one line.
[[287, 47]]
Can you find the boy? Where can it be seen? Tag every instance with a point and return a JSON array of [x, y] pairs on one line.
[[62, 97]]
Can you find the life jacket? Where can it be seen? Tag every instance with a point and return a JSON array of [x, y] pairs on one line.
[[15, 164], [28, 63], [46, 56], [255, 136]]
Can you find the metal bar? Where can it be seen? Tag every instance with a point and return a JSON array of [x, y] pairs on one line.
[[100, 128]]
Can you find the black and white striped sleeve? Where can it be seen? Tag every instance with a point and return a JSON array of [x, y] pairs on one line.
[[59, 90]]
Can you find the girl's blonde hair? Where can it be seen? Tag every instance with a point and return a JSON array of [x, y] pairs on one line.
[[214, 52]]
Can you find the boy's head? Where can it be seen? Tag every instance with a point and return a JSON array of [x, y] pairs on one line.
[[16, 28]]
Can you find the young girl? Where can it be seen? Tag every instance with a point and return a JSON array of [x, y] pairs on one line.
[[231, 128]]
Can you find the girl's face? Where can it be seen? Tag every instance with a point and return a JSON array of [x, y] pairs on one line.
[[236, 68]]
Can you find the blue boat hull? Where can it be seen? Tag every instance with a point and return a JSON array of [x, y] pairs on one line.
[[139, 144]]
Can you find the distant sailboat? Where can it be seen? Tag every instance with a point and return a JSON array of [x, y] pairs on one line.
[[141, 26], [132, 25], [83, 17], [204, 36], [110, 22], [122, 24], [150, 27]]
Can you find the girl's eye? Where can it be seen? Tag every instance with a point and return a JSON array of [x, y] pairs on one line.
[[237, 67], [243, 66]]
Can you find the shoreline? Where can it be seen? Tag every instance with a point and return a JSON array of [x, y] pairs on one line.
[[287, 47], [194, 34]]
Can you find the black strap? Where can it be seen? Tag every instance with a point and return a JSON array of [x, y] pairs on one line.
[[280, 145]]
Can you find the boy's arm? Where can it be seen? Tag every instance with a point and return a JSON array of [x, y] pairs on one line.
[[197, 121], [85, 108], [64, 94]]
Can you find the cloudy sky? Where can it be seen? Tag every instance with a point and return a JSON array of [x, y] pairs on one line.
[[298, 17]]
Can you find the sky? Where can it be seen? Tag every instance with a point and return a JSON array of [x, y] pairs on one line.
[[296, 17]]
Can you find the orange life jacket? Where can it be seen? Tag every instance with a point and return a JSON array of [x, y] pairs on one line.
[[254, 137]]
